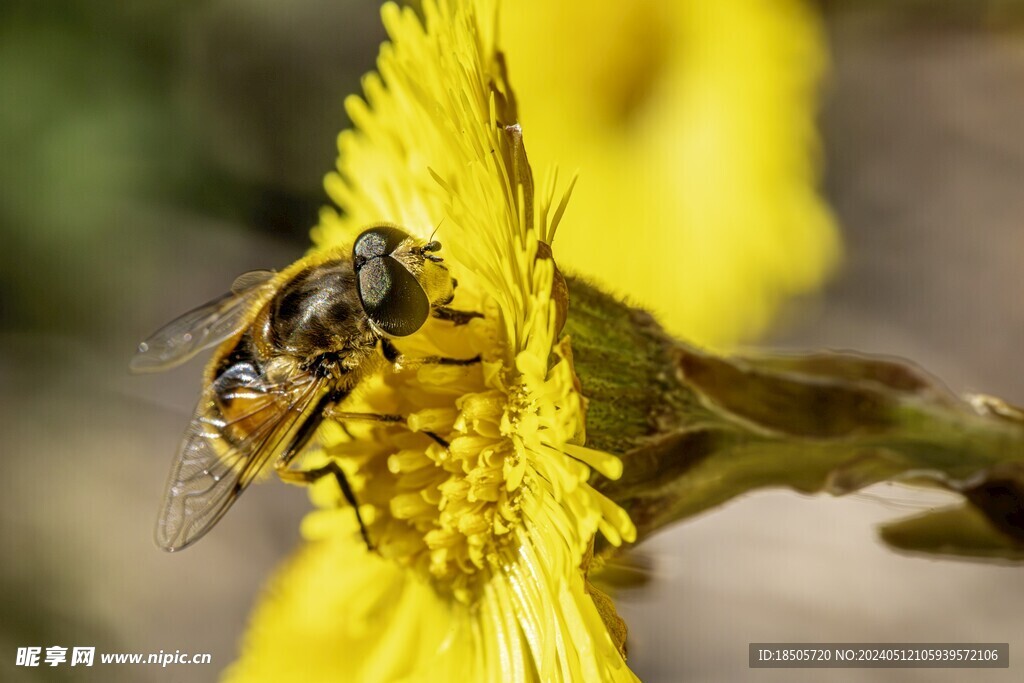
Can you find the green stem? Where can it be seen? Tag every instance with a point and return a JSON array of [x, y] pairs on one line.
[[695, 430]]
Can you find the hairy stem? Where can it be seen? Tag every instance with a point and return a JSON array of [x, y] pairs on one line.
[[695, 430]]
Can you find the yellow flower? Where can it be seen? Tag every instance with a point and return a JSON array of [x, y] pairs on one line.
[[483, 541], [693, 126]]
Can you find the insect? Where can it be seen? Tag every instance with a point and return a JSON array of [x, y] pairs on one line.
[[292, 345]]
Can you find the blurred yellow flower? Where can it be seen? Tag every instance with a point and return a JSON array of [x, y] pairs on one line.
[[482, 541], [692, 124]]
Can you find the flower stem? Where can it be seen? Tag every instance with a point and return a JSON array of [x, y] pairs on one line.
[[694, 429]]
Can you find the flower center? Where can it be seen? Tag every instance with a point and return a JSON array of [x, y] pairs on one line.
[[444, 487]]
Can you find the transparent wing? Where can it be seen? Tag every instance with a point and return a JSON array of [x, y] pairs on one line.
[[211, 470], [247, 281], [201, 328]]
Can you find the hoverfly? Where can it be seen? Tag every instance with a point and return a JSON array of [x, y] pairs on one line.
[[292, 345]]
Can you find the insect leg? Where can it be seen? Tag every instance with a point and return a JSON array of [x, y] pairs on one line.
[[300, 441], [332, 467], [341, 415], [397, 358], [455, 316], [332, 413]]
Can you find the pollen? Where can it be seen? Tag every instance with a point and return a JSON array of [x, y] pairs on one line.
[[478, 504], [445, 487]]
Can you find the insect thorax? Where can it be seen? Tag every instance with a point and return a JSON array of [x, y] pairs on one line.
[[318, 313]]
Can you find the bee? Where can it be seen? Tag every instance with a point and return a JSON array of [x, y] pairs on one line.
[[291, 346]]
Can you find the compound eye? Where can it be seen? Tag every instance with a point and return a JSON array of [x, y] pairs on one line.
[[378, 241], [392, 298]]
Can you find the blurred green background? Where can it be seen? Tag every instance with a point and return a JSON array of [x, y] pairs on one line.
[[151, 151]]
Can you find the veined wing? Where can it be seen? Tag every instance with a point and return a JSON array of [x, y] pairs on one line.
[[241, 422], [201, 328]]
